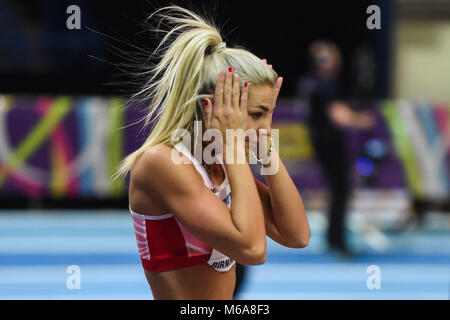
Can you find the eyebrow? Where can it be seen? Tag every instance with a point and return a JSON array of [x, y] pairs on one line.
[[264, 108]]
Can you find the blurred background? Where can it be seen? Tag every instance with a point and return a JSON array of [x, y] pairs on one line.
[[376, 185]]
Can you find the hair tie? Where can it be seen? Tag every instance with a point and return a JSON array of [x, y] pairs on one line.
[[220, 47]]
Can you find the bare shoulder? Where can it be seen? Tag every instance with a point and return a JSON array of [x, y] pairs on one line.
[[159, 168]]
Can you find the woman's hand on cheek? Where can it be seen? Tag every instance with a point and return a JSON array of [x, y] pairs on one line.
[[278, 84], [228, 107]]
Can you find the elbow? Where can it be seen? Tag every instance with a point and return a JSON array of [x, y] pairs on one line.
[[299, 243], [260, 257], [255, 255], [303, 244]]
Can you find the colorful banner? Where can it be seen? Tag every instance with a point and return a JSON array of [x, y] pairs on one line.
[[70, 146]]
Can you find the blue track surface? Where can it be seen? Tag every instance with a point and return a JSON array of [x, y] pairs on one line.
[[36, 248]]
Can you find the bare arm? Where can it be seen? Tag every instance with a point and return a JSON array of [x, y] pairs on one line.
[[285, 216], [246, 207], [234, 232], [284, 213], [344, 116], [239, 232]]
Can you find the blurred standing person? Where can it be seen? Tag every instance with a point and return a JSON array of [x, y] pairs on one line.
[[329, 115]]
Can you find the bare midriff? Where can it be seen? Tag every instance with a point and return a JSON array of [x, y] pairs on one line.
[[200, 282]]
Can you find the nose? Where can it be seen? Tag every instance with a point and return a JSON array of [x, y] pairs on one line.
[[267, 125]]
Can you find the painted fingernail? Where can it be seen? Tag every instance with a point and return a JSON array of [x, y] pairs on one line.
[[236, 73], [230, 69], [205, 102], [246, 84]]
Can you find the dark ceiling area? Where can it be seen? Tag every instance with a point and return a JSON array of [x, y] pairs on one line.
[[40, 55]]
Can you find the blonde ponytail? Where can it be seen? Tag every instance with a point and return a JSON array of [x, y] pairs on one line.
[[185, 74]]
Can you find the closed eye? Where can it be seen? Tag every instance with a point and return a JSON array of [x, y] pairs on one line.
[[256, 115]]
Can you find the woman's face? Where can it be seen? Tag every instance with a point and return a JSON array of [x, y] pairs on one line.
[[260, 107], [261, 103]]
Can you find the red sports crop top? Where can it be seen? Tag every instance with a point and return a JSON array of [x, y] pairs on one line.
[[165, 244]]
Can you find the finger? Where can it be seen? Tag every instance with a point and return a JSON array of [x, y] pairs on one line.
[[218, 94], [236, 90], [265, 60], [244, 98], [208, 112], [278, 85], [227, 90], [270, 66]]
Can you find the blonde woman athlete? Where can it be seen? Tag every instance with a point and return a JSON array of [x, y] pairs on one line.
[[190, 231]]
